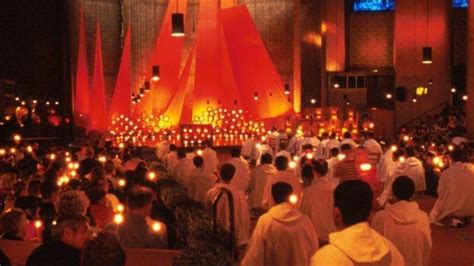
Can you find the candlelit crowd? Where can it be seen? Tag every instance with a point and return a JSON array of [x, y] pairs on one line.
[[320, 200]]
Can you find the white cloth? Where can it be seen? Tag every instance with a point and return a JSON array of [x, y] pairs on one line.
[[284, 154], [358, 245], [170, 160], [455, 192], [458, 140], [332, 143], [318, 204], [408, 228], [373, 148], [249, 149], [131, 164], [332, 162], [348, 141], [200, 181], [183, 170], [258, 180], [321, 149], [283, 236], [241, 177], [385, 165], [162, 149], [280, 176], [112, 201], [295, 144], [210, 160], [241, 211], [314, 141]]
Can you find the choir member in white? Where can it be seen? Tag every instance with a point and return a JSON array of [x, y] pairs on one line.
[[183, 169], [210, 158], [455, 193], [241, 211], [357, 243], [282, 175], [200, 180], [405, 224], [258, 179], [242, 170], [283, 236], [318, 201], [171, 159]]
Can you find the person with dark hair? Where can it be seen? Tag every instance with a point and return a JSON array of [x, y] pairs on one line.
[[282, 175], [346, 169], [201, 179], [283, 151], [405, 224], [210, 158], [242, 170], [356, 243], [13, 224], [241, 211], [282, 236], [455, 203], [372, 147], [70, 234], [103, 250], [183, 168], [347, 139], [48, 212], [134, 232], [101, 213], [318, 201], [331, 144], [321, 148], [133, 162], [332, 162], [258, 179], [307, 175]]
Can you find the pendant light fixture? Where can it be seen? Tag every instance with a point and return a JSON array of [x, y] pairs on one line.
[[287, 89], [427, 50], [177, 23], [155, 69], [147, 86], [255, 96]]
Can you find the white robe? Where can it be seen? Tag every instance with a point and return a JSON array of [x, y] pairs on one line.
[[283, 236], [295, 144], [162, 149], [170, 160], [332, 162], [241, 211], [200, 181], [183, 170], [408, 228], [241, 177], [455, 192], [321, 149], [280, 176], [348, 141], [284, 154], [318, 204], [358, 245], [332, 143], [258, 180], [373, 148], [210, 160], [385, 165], [249, 149]]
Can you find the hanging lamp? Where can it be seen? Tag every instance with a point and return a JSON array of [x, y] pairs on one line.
[[177, 23]]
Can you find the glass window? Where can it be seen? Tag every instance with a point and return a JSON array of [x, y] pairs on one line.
[[374, 5], [460, 3]]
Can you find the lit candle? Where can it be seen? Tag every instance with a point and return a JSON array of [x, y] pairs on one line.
[[292, 165], [151, 176], [365, 167], [122, 182], [293, 199], [38, 225], [156, 227], [120, 208], [341, 156]]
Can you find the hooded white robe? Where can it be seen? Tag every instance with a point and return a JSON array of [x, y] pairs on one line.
[[200, 181], [183, 170], [241, 177], [358, 245], [280, 176], [210, 160], [283, 236], [258, 180], [455, 192], [408, 228], [241, 211], [318, 204]]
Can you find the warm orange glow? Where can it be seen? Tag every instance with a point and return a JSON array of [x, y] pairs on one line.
[[365, 167], [292, 165], [156, 227], [341, 156], [151, 176], [118, 218], [122, 182], [16, 137], [120, 208], [38, 224], [293, 199]]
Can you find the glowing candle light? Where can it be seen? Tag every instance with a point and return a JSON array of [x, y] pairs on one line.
[[68, 159], [365, 167], [12, 150], [341, 157], [292, 165], [406, 138], [156, 227], [151, 176], [199, 152], [401, 159], [258, 146], [295, 158], [76, 166], [38, 225], [394, 148], [120, 208], [17, 138], [102, 159], [309, 156], [118, 218], [52, 156], [73, 173], [2, 152], [450, 147], [122, 182], [293, 199], [121, 145], [436, 160]]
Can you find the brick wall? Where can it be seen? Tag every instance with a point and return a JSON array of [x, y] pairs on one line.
[[369, 39]]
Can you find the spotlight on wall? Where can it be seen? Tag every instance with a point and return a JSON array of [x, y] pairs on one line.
[[255, 96], [388, 96], [464, 97], [155, 73], [414, 100], [453, 90], [430, 82], [313, 101]]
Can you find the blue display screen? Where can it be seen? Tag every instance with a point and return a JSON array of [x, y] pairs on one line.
[[374, 5], [460, 3]]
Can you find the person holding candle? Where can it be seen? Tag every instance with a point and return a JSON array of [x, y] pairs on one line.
[[282, 236], [13, 224]]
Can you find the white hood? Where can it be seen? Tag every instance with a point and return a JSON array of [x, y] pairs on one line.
[[285, 213], [404, 212]]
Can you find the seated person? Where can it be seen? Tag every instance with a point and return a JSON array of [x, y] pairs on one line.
[[13, 224], [356, 243], [405, 224], [134, 232], [103, 250], [69, 236]]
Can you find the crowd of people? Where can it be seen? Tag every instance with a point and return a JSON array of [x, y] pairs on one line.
[[317, 200]]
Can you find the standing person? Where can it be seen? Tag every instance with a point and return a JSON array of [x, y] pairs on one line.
[[455, 203], [372, 147], [283, 236], [70, 235], [242, 171], [282, 175], [405, 224], [183, 169], [241, 211], [103, 250], [210, 158], [171, 159], [356, 243], [258, 180], [346, 169], [318, 201], [348, 140], [200, 180]]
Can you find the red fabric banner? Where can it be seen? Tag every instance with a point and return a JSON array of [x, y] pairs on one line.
[[82, 95], [121, 99], [253, 68], [167, 54], [98, 110]]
